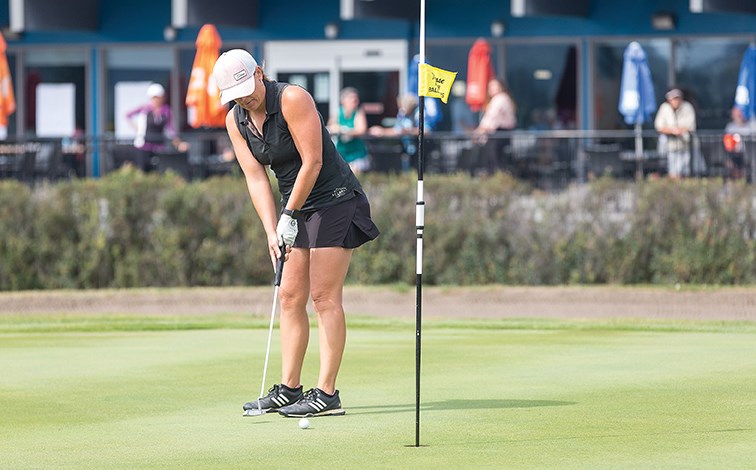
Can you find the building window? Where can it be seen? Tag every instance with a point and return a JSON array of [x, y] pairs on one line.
[[707, 71], [607, 66], [56, 91], [543, 80], [128, 71], [454, 55]]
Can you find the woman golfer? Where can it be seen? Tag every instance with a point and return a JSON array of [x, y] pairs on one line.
[[325, 215]]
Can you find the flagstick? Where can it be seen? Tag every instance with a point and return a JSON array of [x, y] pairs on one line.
[[420, 225]]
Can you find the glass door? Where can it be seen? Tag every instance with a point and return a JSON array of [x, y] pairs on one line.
[[378, 92], [377, 69]]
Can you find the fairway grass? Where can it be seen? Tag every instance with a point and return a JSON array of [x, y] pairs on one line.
[[165, 393]]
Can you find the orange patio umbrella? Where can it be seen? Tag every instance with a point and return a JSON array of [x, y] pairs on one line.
[[204, 108], [7, 99], [479, 73]]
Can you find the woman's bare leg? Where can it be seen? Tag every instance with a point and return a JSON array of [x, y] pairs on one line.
[[328, 268], [295, 326]]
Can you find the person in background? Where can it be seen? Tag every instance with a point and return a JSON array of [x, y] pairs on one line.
[[737, 131], [676, 121], [499, 114], [347, 127], [324, 216], [463, 118], [74, 154], [153, 122], [406, 127]]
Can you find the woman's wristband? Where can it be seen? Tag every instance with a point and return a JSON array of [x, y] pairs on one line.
[[293, 213]]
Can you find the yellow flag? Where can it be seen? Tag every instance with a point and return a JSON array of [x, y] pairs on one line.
[[435, 82]]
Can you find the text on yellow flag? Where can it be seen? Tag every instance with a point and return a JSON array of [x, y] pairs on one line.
[[435, 82]]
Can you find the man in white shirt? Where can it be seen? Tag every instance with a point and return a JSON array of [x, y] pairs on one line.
[[675, 121]]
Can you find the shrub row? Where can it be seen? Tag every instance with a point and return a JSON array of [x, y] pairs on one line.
[[130, 229]]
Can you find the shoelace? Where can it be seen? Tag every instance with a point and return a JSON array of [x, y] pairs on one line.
[[273, 390], [310, 395]]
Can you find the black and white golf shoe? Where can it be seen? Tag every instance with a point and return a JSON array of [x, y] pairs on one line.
[[279, 395], [315, 402]]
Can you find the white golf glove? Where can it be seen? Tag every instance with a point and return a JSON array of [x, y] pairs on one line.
[[287, 230]]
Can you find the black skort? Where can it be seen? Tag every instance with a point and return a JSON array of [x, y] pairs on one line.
[[346, 225]]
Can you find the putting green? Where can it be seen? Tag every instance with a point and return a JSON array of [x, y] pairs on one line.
[[613, 397]]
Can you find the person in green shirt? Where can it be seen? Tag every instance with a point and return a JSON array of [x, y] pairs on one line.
[[347, 127]]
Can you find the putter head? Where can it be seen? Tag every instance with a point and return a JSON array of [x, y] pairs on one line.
[[255, 411]]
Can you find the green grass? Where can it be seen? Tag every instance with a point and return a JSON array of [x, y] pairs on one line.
[[70, 323], [138, 392]]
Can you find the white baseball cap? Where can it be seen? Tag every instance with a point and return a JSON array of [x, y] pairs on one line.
[[155, 90], [234, 74], [674, 93]]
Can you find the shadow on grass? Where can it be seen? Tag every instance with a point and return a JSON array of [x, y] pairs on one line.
[[459, 405]]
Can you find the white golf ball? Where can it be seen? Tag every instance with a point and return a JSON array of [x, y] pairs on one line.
[[304, 423]]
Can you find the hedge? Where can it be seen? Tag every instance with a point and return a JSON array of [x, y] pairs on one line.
[[134, 230]]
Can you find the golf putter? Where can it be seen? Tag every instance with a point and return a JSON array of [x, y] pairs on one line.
[[277, 283]]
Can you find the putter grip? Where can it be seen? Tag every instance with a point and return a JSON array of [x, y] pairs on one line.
[[279, 267]]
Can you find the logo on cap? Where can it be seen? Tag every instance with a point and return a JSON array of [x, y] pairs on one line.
[[242, 74]]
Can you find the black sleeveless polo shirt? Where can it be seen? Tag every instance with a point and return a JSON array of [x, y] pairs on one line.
[[335, 183]]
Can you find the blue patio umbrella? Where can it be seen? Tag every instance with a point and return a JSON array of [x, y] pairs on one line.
[[745, 93], [637, 101]]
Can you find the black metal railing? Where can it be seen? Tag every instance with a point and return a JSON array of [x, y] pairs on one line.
[[555, 159], [549, 160]]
